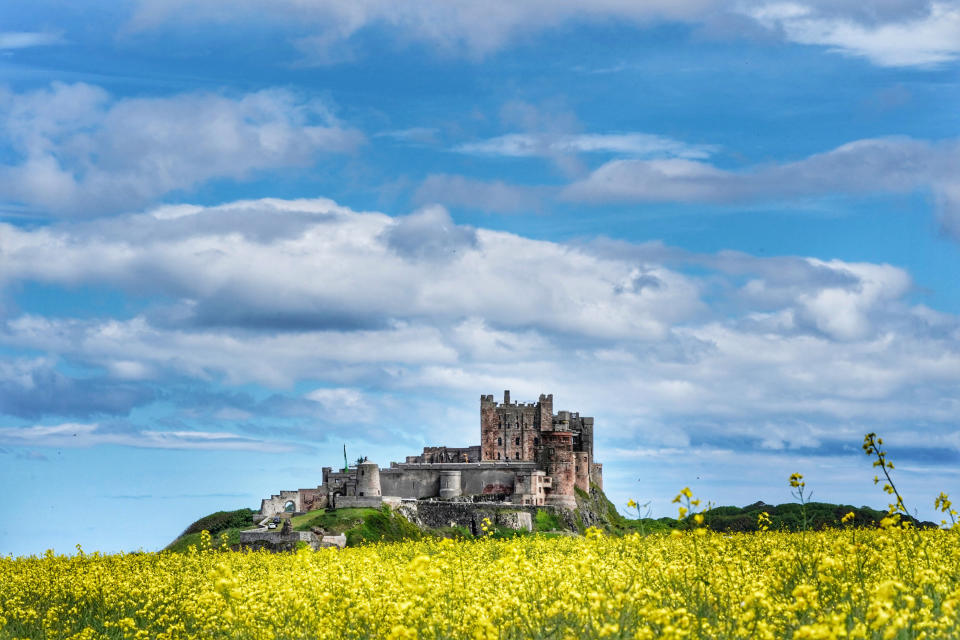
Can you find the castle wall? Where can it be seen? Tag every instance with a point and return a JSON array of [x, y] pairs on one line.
[[344, 502], [310, 499], [469, 515], [433, 455], [596, 475], [423, 480], [277, 504]]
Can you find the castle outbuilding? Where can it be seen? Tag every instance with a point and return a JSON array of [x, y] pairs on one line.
[[527, 455]]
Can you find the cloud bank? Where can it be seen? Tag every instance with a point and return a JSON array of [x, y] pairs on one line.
[[668, 347]]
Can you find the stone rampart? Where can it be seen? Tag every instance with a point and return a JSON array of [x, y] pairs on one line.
[[423, 480], [278, 541], [437, 514], [369, 502]]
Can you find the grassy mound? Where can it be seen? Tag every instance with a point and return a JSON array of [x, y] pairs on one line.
[[221, 521], [360, 525], [231, 522], [182, 544]]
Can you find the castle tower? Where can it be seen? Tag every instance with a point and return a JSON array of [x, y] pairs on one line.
[[581, 469], [490, 431], [368, 479], [450, 486], [586, 436], [544, 415], [558, 462]]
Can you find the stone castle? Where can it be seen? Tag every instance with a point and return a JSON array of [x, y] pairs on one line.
[[527, 455]]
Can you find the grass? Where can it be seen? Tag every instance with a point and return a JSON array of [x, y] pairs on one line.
[[547, 521], [182, 544], [333, 522], [360, 525]]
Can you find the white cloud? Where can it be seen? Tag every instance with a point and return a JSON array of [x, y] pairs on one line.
[[345, 404], [877, 165], [80, 151], [27, 39], [494, 196], [896, 33], [277, 292], [322, 30], [319, 266], [929, 38], [70, 434], [550, 144]]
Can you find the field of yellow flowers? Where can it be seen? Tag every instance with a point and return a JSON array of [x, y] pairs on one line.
[[857, 583]]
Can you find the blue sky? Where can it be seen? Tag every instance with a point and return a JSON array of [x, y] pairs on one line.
[[234, 239]]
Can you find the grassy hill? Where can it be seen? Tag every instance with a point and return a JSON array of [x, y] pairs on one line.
[[229, 522], [360, 525]]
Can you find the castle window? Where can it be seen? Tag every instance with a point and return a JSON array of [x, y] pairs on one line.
[[517, 454], [498, 455], [361, 471], [518, 440], [361, 494], [499, 442], [536, 441]]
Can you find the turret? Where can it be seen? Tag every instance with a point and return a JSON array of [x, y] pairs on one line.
[[368, 479], [450, 484]]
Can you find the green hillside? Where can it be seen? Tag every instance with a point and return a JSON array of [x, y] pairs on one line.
[[231, 522]]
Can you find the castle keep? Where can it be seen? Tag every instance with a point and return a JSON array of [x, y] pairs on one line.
[[527, 455]]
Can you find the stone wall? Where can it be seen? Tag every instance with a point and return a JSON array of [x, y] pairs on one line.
[[370, 502], [467, 514], [277, 541], [277, 503], [310, 499], [446, 454], [423, 480]]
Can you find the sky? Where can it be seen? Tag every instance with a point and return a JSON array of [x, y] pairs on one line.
[[235, 237]]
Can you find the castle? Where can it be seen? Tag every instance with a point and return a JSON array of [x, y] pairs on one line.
[[527, 455]]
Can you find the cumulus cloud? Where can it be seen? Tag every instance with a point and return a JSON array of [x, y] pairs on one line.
[[337, 265], [670, 350], [78, 150], [32, 388], [429, 233]]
